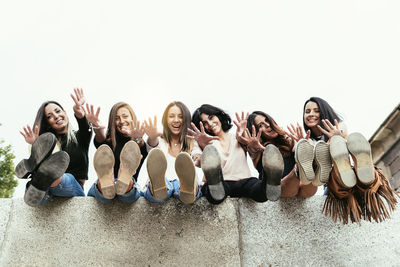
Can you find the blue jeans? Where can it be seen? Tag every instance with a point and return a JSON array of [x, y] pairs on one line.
[[128, 197], [173, 190], [69, 187]]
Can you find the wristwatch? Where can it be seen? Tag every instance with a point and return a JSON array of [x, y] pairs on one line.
[[139, 140]]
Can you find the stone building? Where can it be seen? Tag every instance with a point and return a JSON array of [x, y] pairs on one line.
[[385, 144]]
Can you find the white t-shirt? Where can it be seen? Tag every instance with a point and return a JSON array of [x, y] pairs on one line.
[[170, 174]]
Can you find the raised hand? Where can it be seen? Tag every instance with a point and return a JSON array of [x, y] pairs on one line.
[[29, 135], [150, 128], [253, 140], [296, 133], [241, 124], [330, 130], [93, 117], [79, 100], [200, 136], [134, 131]]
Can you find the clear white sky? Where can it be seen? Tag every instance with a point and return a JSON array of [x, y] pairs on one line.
[[238, 55]]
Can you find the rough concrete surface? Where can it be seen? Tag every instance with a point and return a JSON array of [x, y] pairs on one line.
[[293, 232], [5, 208], [289, 232], [82, 232]]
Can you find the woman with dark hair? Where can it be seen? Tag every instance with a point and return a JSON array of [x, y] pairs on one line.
[[62, 173], [312, 155], [352, 192], [261, 131], [224, 159], [120, 153], [170, 169]]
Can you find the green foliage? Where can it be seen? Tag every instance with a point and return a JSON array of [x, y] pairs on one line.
[[7, 180]]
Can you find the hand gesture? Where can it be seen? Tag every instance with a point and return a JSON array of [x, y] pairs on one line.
[[200, 136], [29, 135], [93, 117], [296, 133], [252, 141], [241, 124], [330, 130], [79, 100], [150, 128], [134, 131]]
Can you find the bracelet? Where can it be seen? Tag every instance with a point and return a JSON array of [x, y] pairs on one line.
[[93, 127]]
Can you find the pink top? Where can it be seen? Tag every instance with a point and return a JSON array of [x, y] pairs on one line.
[[234, 163]]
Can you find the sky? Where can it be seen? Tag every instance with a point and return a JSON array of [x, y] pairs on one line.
[[238, 55]]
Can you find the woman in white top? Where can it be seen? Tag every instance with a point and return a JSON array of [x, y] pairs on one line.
[[224, 159], [169, 170]]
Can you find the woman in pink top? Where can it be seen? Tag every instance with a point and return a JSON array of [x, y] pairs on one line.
[[224, 159]]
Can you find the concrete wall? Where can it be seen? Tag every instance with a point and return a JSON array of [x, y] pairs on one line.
[[292, 232]]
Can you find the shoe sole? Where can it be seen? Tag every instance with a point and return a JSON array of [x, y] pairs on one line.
[[360, 150], [50, 170], [340, 160], [304, 156], [41, 149], [324, 163], [211, 165], [186, 172], [103, 163], [33, 196], [129, 162], [156, 168], [273, 165]]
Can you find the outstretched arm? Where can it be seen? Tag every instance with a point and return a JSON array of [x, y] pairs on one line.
[[93, 119], [79, 100]]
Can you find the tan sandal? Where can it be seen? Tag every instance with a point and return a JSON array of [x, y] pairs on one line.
[[129, 162], [104, 165]]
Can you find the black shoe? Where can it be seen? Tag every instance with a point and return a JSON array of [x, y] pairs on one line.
[[211, 165], [272, 163], [41, 149], [50, 170]]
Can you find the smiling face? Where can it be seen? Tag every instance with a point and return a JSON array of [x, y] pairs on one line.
[[123, 120], [175, 120], [265, 127], [57, 118], [311, 114], [211, 123]]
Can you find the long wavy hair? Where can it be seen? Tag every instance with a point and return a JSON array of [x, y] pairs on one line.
[[326, 112], [187, 144], [112, 134], [283, 142], [43, 124]]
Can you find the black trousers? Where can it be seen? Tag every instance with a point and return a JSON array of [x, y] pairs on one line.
[[252, 187]]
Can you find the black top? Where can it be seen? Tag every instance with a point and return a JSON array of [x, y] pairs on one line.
[[78, 152], [288, 163], [121, 141]]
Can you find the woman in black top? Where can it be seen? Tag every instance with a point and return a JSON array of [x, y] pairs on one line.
[[261, 131], [120, 152], [63, 173]]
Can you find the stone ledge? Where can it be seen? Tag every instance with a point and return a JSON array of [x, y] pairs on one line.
[[83, 232]]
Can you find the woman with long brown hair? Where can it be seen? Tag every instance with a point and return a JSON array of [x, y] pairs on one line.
[[170, 168], [262, 130], [63, 173], [120, 153]]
